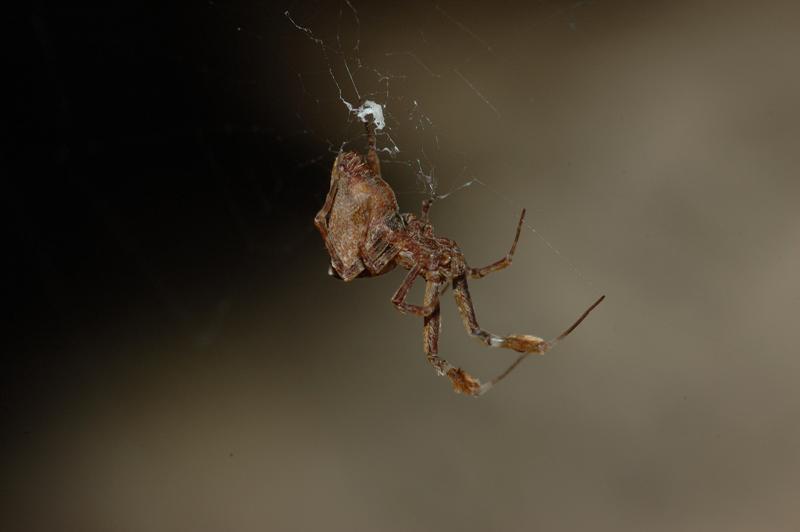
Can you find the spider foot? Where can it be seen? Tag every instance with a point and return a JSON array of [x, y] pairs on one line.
[[464, 383], [524, 343]]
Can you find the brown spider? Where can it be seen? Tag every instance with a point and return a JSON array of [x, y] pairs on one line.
[[367, 236]]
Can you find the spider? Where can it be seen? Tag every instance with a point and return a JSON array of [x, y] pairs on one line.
[[367, 236]]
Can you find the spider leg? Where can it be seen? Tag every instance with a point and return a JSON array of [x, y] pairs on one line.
[[519, 343], [373, 162], [477, 273], [399, 297], [461, 380], [522, 343], [488, 385]]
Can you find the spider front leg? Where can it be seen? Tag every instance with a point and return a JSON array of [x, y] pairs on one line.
[[477, 273]]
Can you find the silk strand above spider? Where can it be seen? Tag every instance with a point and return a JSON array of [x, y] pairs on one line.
[[367, 236]]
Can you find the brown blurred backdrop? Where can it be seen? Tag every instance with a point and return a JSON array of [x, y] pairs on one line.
[[181, 360]]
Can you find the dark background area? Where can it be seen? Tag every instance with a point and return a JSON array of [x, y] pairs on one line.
[[146, 142], [146, 188], [178, 359]]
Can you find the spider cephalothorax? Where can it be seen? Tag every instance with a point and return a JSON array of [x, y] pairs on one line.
[[366, 236]]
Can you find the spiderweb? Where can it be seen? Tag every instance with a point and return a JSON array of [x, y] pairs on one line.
[[352, 61]]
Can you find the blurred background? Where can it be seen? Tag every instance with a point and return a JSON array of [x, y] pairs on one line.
[[177, 357]]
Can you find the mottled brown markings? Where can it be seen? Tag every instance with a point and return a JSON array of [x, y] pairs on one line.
[[366, 236]]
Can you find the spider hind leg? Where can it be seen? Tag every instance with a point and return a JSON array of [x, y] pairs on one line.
[[462, 381], [522, 343]]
